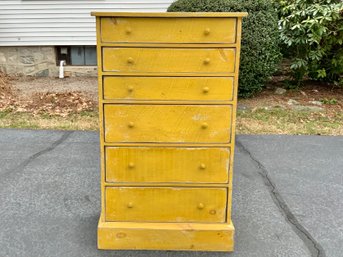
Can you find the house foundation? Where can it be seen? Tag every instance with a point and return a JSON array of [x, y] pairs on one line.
[[39, 61]]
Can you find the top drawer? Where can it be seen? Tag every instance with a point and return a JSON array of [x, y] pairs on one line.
[[168, 30]]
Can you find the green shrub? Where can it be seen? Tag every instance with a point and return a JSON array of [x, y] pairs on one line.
[[312, 32], [260, 51]]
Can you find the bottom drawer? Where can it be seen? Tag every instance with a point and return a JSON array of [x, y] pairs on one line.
[[165, 204]]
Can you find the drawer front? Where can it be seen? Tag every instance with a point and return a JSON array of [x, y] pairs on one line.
[[164, 60], [163, 164], [164, 30], [165, 204], [167, 123], [167, 88]]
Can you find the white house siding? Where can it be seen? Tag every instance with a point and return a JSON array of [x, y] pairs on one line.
[[61, 22]]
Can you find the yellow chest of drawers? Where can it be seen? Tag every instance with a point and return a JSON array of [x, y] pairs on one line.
[[167, 104]]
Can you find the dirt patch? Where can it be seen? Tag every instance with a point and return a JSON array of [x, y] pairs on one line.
[[27, 86], [47, 95], [311, 94], [61, 104], [7, 95], [314, 109]]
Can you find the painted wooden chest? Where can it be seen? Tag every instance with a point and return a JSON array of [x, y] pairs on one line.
[[167, 106]]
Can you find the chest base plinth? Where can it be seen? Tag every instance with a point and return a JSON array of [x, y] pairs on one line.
[[165, 236]]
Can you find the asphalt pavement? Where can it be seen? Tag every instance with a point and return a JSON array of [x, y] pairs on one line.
[[287, 196]]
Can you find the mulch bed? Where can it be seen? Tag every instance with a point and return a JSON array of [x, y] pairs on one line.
[[310, 91], [50, 103]]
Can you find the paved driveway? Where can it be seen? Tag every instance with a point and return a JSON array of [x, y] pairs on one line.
[[288, 196]]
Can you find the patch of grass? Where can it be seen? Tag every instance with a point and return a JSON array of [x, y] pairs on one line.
[[329, 101], [284, 121], [77, 121], [3, 114]]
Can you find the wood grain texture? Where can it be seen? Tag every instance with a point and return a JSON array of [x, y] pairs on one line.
[[166, 74], [167, 123], [168, 88], [166, 184], [162, 30], [164, 144], [165, 204], [167, 164], [166, 60], [166, 236], [170, 45]]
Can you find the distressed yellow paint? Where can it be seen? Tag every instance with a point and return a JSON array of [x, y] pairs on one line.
[[166, 236], [177, 30], [167, 164], [165, 60], [167, 105], [170, 15], [168, 88], [173, 204], [167, 123]]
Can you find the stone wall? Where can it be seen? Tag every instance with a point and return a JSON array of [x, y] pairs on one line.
[[36, 61]]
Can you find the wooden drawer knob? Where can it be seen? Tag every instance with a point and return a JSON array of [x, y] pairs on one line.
[[130, 60], [205, 90], [129, 205], [201, 206], [131, 124], [213, 212], [131, 165], [204, 125], [207, 61], [128, 31], [207, 31], [202, 166], [130, 88]]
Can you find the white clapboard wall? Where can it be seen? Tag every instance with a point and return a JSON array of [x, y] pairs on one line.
[[61, 22]]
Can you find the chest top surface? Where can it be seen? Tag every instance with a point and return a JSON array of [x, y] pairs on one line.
[[170, 14]]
